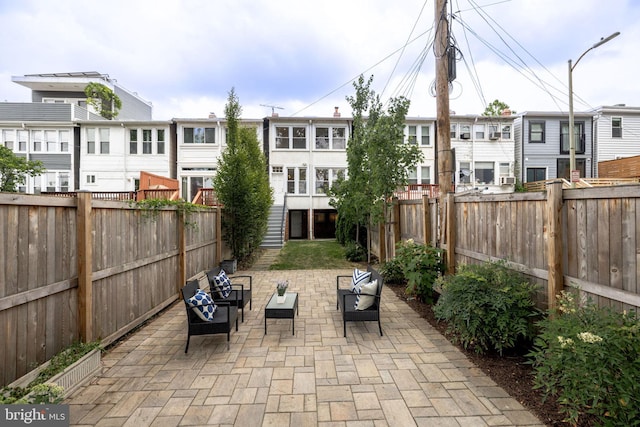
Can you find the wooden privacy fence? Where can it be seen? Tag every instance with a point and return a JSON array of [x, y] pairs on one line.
[[586, 238], [81, 269]]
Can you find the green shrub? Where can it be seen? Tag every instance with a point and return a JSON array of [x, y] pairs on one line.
[[355, 252], [39, 390], [421, 266], [488, 307], [589, 358], [392, 272]]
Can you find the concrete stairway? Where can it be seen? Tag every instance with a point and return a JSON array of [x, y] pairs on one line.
[[275, 234]]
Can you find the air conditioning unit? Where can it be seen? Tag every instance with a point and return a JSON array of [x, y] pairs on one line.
[[507, 180], [495, 135], [465, 135]]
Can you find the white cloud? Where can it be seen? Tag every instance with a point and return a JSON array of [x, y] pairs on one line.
[[185, 56]]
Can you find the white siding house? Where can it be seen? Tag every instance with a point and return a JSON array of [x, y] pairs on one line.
[[200, 143], [113, 153], [616, 133], [484, 153], [306, 155]]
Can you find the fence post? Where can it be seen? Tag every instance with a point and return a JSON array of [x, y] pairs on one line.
[[85, 265], [450, 233], [555, 282], [182, 249], [426, 217], [218, 234]]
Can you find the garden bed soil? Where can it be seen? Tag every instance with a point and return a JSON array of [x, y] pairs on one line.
[[508, 371]]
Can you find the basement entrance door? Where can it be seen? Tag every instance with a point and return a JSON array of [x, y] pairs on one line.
[[298, 224]]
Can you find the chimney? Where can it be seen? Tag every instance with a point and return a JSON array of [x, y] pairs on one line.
[[212, 115], [336, 113], [274, 114], [506, 112]]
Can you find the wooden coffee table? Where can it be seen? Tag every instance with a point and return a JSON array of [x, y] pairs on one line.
[[285, 310]]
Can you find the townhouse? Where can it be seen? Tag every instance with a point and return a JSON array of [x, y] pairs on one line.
[[616, 133], [542, 145], [305, 155], [483, 151]]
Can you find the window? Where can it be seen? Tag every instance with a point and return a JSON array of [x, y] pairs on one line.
[[412, 176], [494, 132], [282, 137], [425, 175], [291, 137], [330, 138], [104, 141], [8, 138], [91, 141], [147, 143], [465, 173], [465, 131], [299, 137], [424, 135], [578, 136], [51, 140], [64, 141], [536, 132], [616, 127], [506, 132], [64, 181], [478, 130], [325, 177], [160, 142], [36, 137], [133, 141], [565, 172], [339, 138], [412, 138], [50, 178], [199, 135], [536, 174], [322, 138], [23, 135], [454, 130], [418, 133], [504, 169], [484, 173], [297, 180], [91, 179]]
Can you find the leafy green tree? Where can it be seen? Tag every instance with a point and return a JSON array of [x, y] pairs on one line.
[[496, 108], [14, 170], [242, 186], [103, 99], [378, 159]]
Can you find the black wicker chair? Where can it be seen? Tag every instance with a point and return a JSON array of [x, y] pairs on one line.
[[346, 301], [240, 292], [222, 322]]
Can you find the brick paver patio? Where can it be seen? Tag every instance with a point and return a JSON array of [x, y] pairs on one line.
[[412, 376]]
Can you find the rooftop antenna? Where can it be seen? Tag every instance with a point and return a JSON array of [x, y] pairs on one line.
[[273, 107]]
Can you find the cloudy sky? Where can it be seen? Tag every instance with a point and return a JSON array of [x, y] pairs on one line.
[[303, 55]]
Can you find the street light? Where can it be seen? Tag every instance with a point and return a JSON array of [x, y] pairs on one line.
[[572, 138]]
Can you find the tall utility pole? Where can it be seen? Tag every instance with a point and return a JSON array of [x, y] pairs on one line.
[[443, 122]]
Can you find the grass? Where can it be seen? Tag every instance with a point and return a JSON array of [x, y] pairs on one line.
[[311, 255]]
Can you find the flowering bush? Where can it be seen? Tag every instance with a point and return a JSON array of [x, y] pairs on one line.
[[589, 358], [421, 265], [487, 307]]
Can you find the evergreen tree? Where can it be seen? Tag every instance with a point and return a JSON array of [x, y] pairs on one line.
[[242, 186]]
